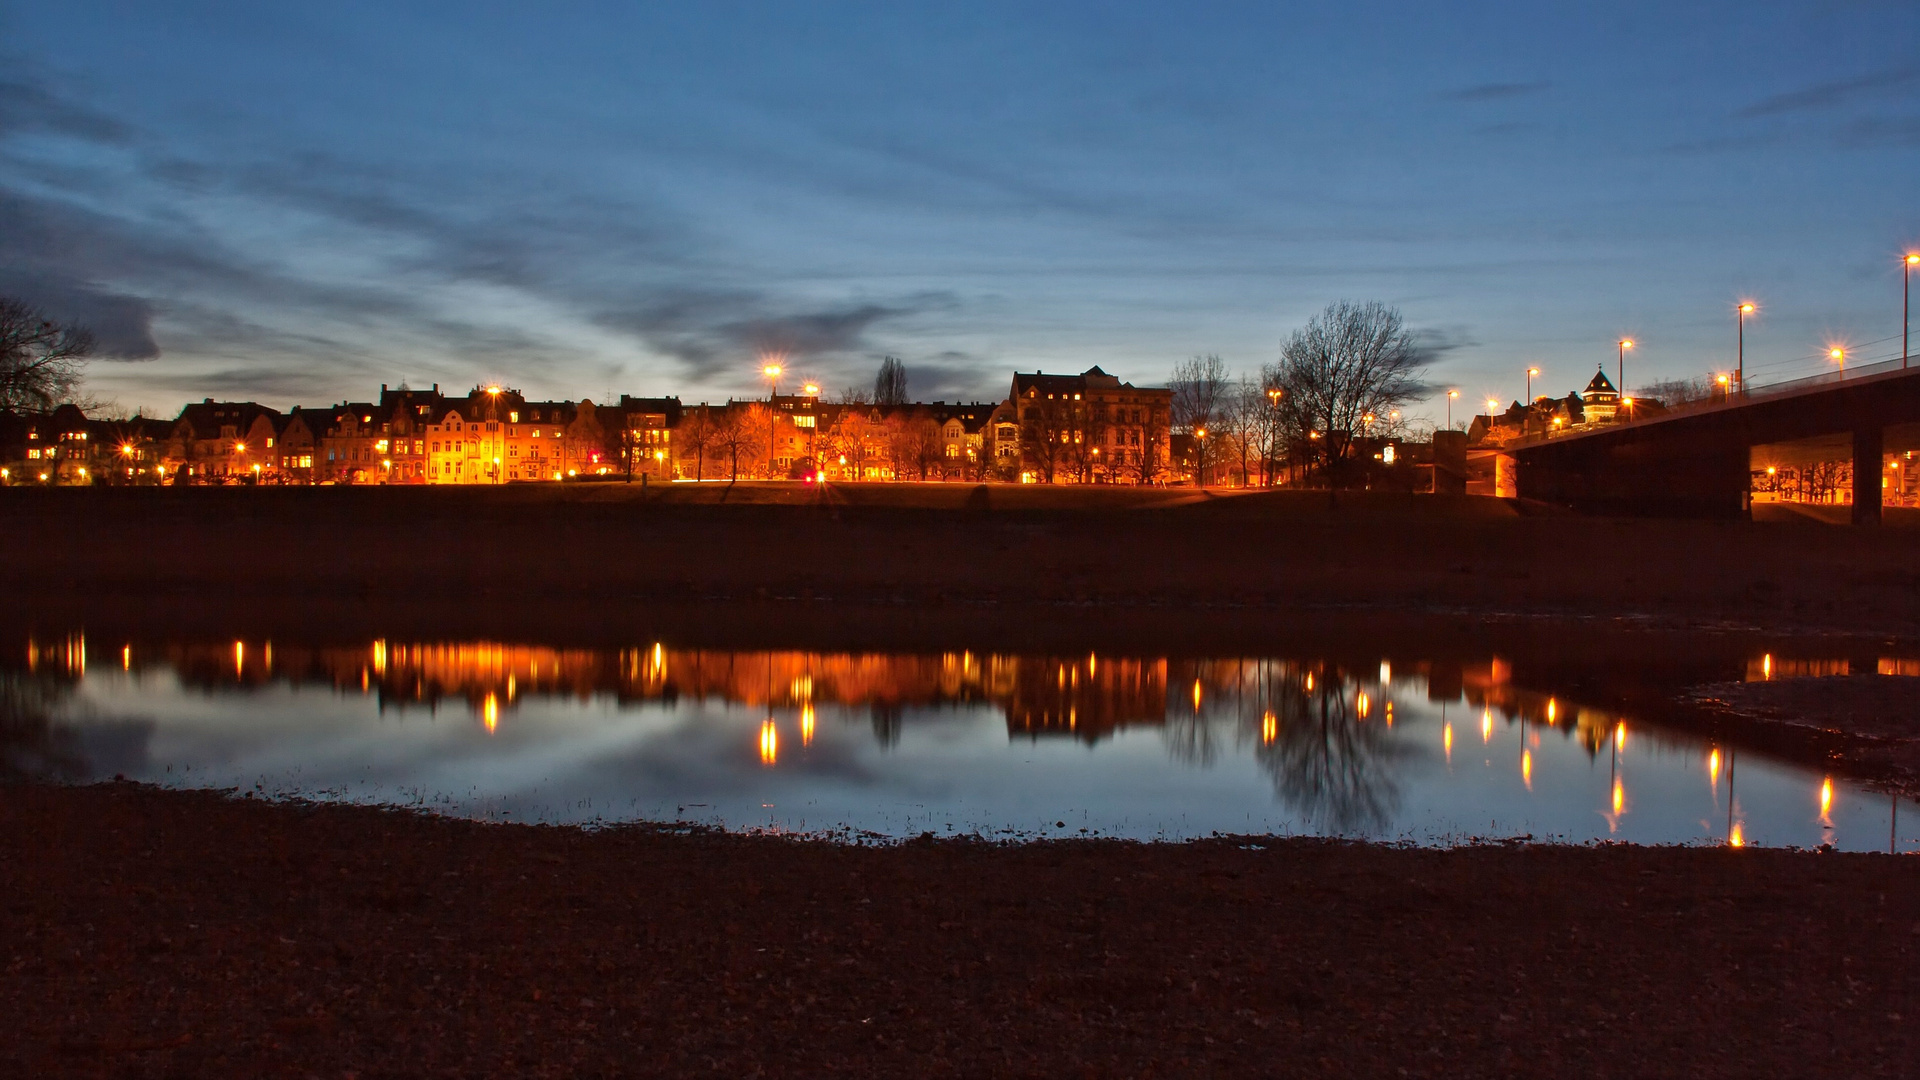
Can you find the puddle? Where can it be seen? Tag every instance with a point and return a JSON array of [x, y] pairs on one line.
[[1397, 749]]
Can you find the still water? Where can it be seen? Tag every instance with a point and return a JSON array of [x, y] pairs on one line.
[[898, 744]]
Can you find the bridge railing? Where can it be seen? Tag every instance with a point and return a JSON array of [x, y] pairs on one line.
[[1729, 400]]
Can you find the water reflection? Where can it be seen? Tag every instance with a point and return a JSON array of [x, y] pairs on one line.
[[1334, 745]]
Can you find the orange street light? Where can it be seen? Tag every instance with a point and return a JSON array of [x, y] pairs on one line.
[[126, 449], [493, 390], [811, 390], [1906, 301], [1625, 344], [1531, 372], [1839, 356], [1740, 363]]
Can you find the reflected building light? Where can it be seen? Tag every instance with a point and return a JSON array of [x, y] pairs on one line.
[[1196, 697], [126, 658], [490, 713], [769, 742], [1826, 799], [1389, 714], [513, 686], [1553, 710], [1620, 735], [1361, 704], [380, 658], [1737, 836], [1386, 673], [266, 656], [1486, 724], [1619, 796], [806, 724], [365, 683], [1309, 682], [1446, 740], [1269, 728], [1713, 767], [1766, 666], [1526, 768], [239, 659]]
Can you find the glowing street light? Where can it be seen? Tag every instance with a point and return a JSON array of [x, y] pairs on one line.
[[1740, 355], [1531, 372], [1906, 302], [1625, 344], [1839, 356], [1726, 389], [811, 390], [1451, 394]]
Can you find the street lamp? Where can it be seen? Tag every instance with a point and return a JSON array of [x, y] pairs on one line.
[[1740, 361], [1906, 301], [1531, 372], [1201, 434], [1839, 356], [1451, 394], [1625, 344], [1726, 389], [772, 372]]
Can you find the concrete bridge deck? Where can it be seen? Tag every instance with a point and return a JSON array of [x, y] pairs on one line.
[[1698, 460]]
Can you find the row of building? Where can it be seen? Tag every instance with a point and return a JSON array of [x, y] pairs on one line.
[[1090, 427]]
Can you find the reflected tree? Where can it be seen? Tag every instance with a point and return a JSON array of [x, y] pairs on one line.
[[1327, 764], [34, 744]]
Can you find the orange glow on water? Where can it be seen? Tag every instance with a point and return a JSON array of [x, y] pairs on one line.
[[1713, 766], [239, 658], [1446, 740], [1486, 725], [806, 724], [1196, 695], [1269, 728], [1553, 710], [1620, 736], [1309, 682], [126, 658], [1526, 768], [1619, 796], [1361, 704], [769, 742], [490, 713], [1826, 796], [1738, 837]]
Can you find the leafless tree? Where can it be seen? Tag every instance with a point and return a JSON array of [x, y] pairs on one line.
[[1349, 362], [41, 359], [890, 385], [1200, 387], [1676, 392]]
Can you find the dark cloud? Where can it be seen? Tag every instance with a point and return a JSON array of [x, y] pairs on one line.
[[711, 332], [122, 325], [1500, 91], [28, 108], [1832, 94], [1897, 131], [1434, 343]]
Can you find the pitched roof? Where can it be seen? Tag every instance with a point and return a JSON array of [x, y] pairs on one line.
[[1600, 384]]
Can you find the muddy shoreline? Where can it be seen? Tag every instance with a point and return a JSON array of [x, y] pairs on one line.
[[160, 933]]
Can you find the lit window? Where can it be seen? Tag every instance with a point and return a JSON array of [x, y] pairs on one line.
[[269, 444], [34, 455], [513, 418]]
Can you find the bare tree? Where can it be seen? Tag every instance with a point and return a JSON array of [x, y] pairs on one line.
[[1349, 362], [890, 385], [1199, 391], [1243, 418], [41, 360]]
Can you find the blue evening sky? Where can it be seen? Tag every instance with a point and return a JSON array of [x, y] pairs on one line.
[[297, 202]]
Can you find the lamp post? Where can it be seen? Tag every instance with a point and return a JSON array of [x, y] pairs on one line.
[[1201, 446], [812, 390], [1625, 344], [772, 372], [1531, 372], [1839, 356], [1451, 394], [1906, 302], [1273, 432], [1740, 355]]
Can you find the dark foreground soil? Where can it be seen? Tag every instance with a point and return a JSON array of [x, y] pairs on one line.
[[152, 933], [586, 553]]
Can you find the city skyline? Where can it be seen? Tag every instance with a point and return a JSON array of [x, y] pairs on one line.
[[288, 208]]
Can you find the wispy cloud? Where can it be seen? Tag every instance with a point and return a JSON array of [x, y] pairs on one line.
[[1830, 95]]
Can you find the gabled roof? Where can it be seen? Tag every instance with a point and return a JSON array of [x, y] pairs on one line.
[[209, 416], [1600, 384]]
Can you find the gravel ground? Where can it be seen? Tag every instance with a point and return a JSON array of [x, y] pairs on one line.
[[158, 933]]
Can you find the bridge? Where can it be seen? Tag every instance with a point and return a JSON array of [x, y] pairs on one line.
[[1698, 460]]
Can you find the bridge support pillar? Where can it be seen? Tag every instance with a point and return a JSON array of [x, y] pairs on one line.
[[1868, 452], [1506, 477]]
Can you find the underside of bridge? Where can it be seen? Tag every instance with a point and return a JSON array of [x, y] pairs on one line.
[[1703, 464]]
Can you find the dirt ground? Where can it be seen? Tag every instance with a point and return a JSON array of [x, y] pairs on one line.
[[184, 934], [596, 547]]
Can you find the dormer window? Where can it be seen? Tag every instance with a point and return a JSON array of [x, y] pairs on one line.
[[513, 418]]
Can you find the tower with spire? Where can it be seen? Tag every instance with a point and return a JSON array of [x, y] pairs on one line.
[[1600, 400]]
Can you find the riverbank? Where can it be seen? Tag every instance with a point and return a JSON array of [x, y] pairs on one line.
[[160, 933], [603, 552]]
